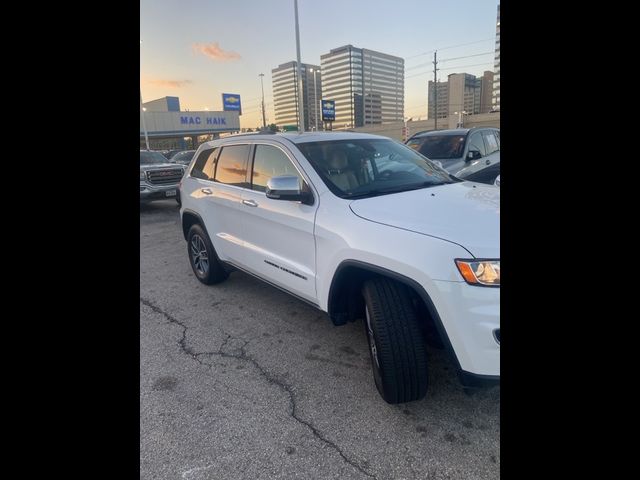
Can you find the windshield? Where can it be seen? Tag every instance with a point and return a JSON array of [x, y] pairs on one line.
[[150, 158], [183, 157], [369, 167], [439, 147]]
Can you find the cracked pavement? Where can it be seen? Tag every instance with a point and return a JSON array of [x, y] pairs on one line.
[[240, 380]]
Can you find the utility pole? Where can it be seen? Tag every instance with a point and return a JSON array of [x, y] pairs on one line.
[[300, 96], [435, 89], [264, 120]]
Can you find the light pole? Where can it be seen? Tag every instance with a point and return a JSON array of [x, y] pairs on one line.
[[264, 121], [315, 96], [460, 118], [300, 96], [144, 123]]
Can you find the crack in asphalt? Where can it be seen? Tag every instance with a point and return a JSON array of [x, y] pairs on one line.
[[271, 379]]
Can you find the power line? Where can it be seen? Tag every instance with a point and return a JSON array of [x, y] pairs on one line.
[[448, 59], [467, 56], [449, 68], [451, 46]]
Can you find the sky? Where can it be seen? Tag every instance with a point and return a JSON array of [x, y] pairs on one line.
[[198, 49]]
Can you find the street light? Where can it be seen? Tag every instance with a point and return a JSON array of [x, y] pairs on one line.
[[315, 96], [144, 123], [460, 118]]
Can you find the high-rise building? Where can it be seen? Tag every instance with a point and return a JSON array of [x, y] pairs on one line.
[[496, 67], [486, 92], [367, 86], [442, 100], [285, 94], [461, 92]]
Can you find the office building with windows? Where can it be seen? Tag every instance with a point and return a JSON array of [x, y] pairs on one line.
[[284, 79], [367, 86], [461, 92], [496, 68]]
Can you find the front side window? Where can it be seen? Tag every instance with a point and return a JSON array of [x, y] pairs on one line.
[[370, 167], [476, 143], [231, 167], [442, 147], [270, 162]]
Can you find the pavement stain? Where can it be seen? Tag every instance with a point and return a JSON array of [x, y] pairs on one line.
[[165, 384]]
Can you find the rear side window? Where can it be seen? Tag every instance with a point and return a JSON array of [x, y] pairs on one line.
[[270, 162], [476, 143], [231, 167], [201, 167], [491, 142]]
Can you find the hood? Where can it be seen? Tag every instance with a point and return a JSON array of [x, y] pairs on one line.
[[160, 166], [464, 213]]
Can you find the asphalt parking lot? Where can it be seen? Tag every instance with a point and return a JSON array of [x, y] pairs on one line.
[[241, 381]]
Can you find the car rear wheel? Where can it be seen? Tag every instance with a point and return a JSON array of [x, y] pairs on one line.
[[396, 343], [203, 258]]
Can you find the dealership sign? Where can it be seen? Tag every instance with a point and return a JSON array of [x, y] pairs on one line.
[[328, 110], [231, 103], [187, 120]]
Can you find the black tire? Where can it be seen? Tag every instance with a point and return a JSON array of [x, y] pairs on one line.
[[203, 258], [396, 342]]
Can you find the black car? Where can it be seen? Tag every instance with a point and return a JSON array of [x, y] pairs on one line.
[[183, 157]]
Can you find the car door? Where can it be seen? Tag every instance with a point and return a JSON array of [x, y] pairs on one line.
[[279, 234], [475, 143], [492, 144], [221, 197]]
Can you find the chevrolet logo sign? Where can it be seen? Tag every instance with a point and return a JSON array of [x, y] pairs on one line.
[[232, 99], [327, 105]]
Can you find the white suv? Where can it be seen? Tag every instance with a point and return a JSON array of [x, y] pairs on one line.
[[360, 227]]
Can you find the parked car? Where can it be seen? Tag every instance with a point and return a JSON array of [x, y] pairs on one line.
[[486, 175], [158, 178], [171, 153], [183, 158], [461, 151], [363, 228]]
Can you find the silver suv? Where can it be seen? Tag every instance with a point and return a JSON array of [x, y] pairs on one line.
[[159, 179], [462, 151]]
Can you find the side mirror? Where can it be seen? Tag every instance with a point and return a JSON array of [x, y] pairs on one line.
[[287, 187], [473, 155]]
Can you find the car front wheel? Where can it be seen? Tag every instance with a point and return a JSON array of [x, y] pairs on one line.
[[396, 342]]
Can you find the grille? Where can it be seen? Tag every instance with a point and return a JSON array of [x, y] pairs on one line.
[[164, 177]]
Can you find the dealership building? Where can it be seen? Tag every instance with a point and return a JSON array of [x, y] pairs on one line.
[[167, 127]]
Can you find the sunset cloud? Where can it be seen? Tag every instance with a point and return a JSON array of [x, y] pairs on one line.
[[214, 52], [170, 83]]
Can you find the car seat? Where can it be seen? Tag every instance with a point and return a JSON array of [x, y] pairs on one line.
[[339, 172]]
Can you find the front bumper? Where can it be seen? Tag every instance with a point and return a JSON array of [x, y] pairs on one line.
[[470, 316], [150, 192]]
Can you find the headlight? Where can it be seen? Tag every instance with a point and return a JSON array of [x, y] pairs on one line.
[[142, 175], [480, 272]]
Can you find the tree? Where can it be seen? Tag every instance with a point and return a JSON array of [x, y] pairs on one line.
[[273, 127]]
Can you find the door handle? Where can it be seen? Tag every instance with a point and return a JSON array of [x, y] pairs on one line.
[[250, 203], [488, 162], [206, 191]]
